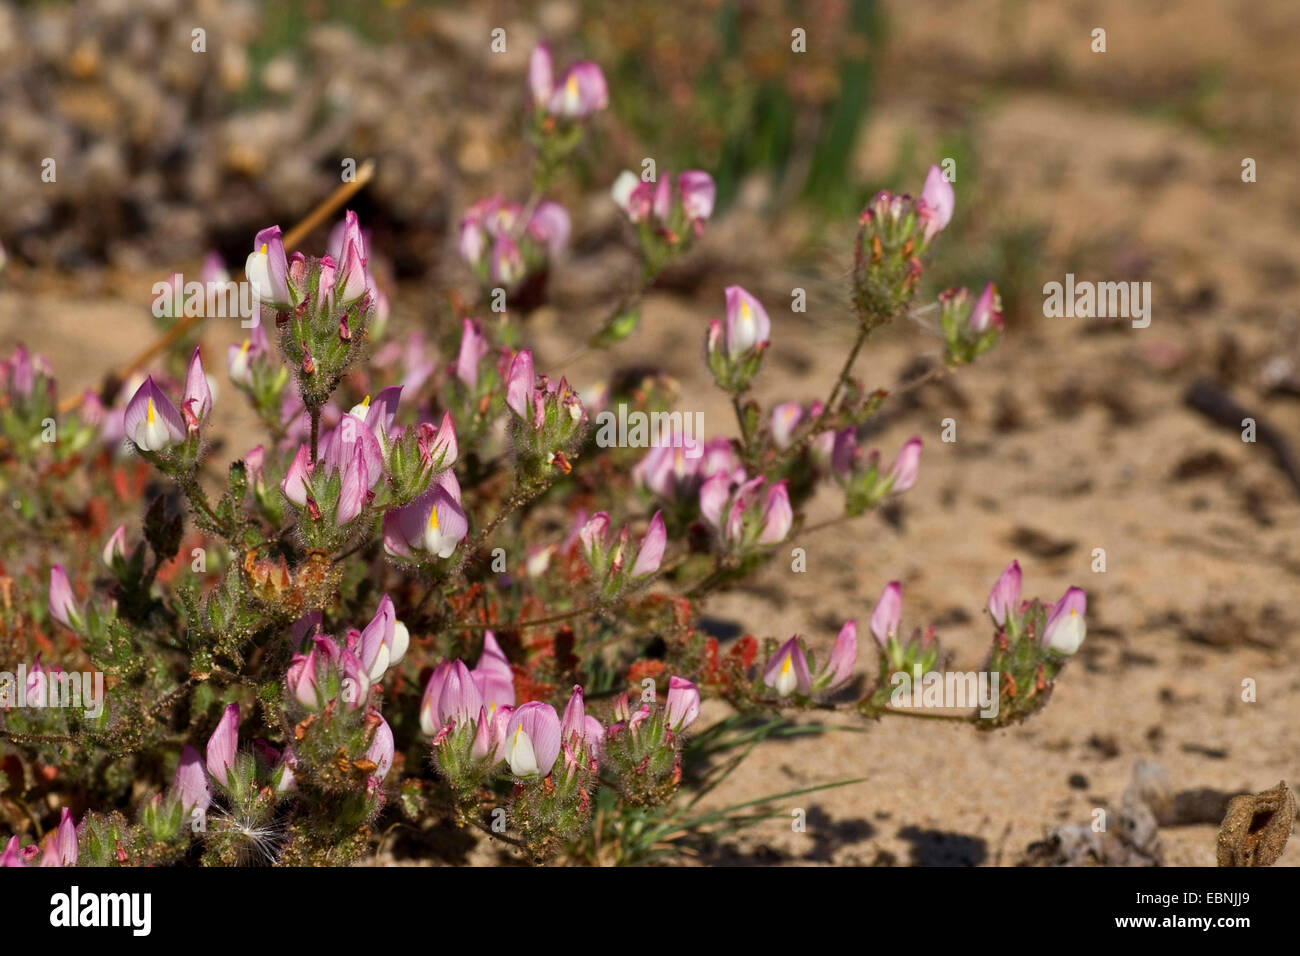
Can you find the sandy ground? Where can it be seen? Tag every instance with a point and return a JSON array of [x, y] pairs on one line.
[[1072, 436]]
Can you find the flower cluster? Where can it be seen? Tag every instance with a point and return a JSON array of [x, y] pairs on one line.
[[436, 487]]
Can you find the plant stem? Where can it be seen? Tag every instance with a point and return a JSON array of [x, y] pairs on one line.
[[314, 411], [197, 498]]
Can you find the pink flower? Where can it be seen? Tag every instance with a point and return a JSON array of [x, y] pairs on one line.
[[381, 414], [198, 396], [62, 605], [1005, 596], [492, 659], [473, 346], [61, 845], [573, 725], [937, 203], [580, 92], [151, 420], [438, 447], [777, 515], [345, 233], [714, 494], [433, 524], [296, 480], [987, 312], [191, 782], [651, 554], [268, 271], [508, 265], [459, 700], [1066, 628], [38, 686], [683, 704], [429, 704], [594, 537], [698, 194], [352, 438], [240, 359], [888, 613], [223, 745], [300, 679], [540, 76], [906, 466], [115, 548], [383, 641], [350, 285], [844, 654], [550, 226], [253, 463], [747, 325], [787, 671], [662, 205], [381, 749], [784, 419], [519, 384], [532, 739], [353, 495], [13, 855]]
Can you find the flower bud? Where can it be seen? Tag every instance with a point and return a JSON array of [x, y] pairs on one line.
[[698, 195], [191, 782], [429, 704], [381, 749], [888, 613], [459, 700], [540, 75], [296, 484], [778, 517], [987, 312], [683, 704], [1005, 596], [651, 553], [197, 402], [473, 346], [906, 466], [223, 745], [520, 385], [937, 203], [115, 548], [63, 607], [844, 654]]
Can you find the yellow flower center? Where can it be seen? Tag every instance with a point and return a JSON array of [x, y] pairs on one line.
[[149, 412]]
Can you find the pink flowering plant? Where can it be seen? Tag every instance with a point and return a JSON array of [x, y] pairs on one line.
[[426, 593]]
